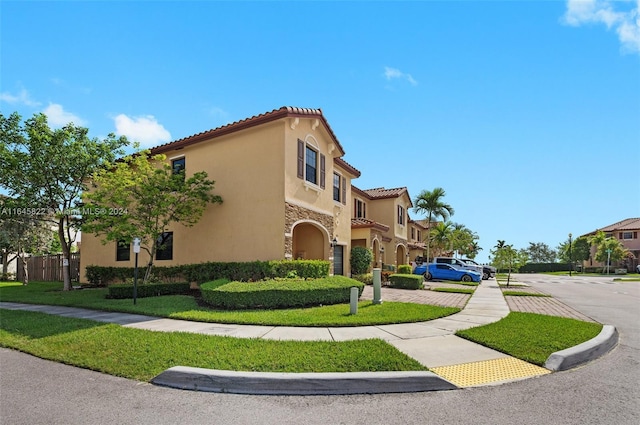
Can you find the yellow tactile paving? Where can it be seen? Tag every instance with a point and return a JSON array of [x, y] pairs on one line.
[[489, 371]]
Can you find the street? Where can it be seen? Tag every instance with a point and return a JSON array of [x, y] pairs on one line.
[[605, 391]]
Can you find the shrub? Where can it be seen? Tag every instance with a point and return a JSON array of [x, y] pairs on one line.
[[404, 269], [102, 276], [385, 275], [281, 293], [205, 272], [361, 259], [366, 278], [123, 291], [406, 281]]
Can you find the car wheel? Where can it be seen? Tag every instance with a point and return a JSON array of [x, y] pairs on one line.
[[428, 276], [466, 278], [485, 276]]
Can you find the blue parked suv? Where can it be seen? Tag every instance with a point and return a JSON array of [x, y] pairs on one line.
[[442, 271]]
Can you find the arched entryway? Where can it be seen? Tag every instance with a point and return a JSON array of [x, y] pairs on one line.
[[375, 248], [401, 255], [310, 242]]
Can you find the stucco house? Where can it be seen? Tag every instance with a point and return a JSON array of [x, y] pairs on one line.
[[628, 234], [286, 193], [381, 223]]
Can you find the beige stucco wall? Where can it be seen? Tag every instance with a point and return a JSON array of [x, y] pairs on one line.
[[255, 171]]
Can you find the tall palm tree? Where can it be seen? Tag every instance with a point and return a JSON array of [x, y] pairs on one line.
[[431, 204]]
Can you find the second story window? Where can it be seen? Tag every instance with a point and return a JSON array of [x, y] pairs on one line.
[[339, 188], [311, 164], [178, 166], [359, 209], [400, 215], [336, 187]]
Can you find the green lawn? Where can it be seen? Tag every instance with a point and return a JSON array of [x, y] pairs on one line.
[[532, 337], [139, 354], [187, 308]]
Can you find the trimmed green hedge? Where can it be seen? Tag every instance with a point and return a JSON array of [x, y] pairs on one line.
[[281, 293], [404, 269], [205, 272], [124, 291], [406, 281]]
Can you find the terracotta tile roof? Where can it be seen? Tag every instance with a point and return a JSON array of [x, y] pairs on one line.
[[276, 114], [382, 193], [628, 224], [361, 223]]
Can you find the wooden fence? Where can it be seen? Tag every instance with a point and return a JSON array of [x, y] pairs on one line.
[[48, 268]]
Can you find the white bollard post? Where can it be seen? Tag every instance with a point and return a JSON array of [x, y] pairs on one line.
[[377, 286], [354, 300]]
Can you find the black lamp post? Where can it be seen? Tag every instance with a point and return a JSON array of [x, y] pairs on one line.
[[570, 256]]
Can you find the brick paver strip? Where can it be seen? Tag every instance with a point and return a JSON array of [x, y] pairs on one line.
[[417, 296], [544, 305]]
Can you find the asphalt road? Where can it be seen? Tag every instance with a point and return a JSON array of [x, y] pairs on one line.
[[605, 391]]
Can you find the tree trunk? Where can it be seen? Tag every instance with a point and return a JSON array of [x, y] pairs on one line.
[[5, 264], [25, 269], [66, 255]]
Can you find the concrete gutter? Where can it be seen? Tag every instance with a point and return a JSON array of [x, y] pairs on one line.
[[268, 383], [585, 352]]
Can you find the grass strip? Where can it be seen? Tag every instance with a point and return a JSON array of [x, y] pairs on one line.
[[186, 308], [532, 337], [139, 354]]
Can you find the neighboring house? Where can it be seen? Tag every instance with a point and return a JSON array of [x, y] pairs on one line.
[[417, 236], [285, 191], [628, 234], [380, 222]]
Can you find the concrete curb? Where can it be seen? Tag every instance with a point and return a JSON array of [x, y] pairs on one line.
[[267, 383], [585, 352]]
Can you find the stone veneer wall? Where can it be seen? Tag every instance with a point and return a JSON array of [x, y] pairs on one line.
[[295, 213]]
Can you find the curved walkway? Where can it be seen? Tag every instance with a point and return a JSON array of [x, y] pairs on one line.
[[433, 343]]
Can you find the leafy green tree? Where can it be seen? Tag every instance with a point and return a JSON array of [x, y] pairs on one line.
[[505, 257], [540, 252], [47, 169], [361, 259], [143, 197], [431, 204], [580, 250], [608, 250], [20, 234], [464, 241]]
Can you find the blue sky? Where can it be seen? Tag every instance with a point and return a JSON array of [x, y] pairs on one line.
[[526, 113]]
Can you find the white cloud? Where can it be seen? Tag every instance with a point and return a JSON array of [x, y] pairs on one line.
[[393, 73], [58, 117], [22, 98], [144, 129], [625, 23], [219, 114]]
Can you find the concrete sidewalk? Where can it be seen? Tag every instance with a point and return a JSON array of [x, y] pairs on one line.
[[453, 360]]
